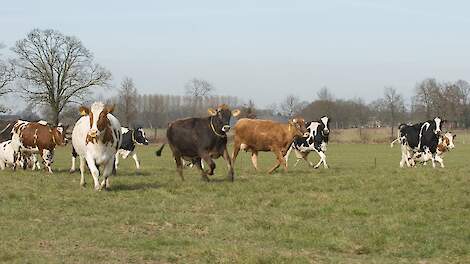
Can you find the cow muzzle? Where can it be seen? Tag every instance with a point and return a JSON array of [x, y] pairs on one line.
[[326, 132], [93, 133], [226, 128]]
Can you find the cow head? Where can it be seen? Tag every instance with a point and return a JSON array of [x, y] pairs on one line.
[[299, 127], [325, 125], [99, 122], [138, 136], [59, 134], [220, 118], [448, 140]]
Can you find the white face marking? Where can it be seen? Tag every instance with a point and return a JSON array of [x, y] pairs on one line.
[[438, 124], [325, 122], [60, 129], [96, 109]]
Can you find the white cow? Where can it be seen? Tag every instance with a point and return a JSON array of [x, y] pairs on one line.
[[8, 155], [96, 138]]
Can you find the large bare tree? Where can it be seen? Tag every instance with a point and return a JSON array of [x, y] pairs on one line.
[[7, 74], [291, 106], [394, 106], [199, 88], [128, 101], [57, 69]]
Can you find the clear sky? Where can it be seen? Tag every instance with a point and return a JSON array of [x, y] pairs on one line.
[[261, 50]]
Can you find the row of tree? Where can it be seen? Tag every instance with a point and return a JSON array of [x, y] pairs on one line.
[[54, 72]]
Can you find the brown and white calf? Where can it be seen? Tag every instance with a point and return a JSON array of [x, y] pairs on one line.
[[30, 138], [96, 138]]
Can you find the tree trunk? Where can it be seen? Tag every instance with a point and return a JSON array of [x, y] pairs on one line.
[[56, 117]]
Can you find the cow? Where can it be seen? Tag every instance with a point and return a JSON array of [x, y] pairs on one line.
[[8, 155], [197, 139], [265, 135], [96, 138], [130, 137], [420, 137], [30, 138], [446, 144], [317, 140]]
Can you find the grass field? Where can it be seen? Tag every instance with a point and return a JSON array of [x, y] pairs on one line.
[[364, 209]]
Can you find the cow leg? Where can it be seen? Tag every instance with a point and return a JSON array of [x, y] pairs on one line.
[[136, 159], [440, 160], [82, 171], [203, 172], [116, 162], [179, 166], [286, 157], [210, 163], [2, 165], [48, 158], [36, 163], [322, 160], [108, 169], [72, 168], [95, 172], [227, 158], [254, 159], [236, 150], [280, 161]]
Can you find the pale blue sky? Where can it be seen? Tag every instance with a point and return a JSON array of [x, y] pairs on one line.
[[261, 50]]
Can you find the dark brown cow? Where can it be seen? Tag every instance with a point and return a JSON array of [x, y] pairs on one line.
[[196, 139], [264, 135], [38, 137]]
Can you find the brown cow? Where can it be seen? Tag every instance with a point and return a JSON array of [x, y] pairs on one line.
[[264, 135], [38, 137]]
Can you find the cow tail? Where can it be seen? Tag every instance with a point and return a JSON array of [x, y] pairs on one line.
[[159, 151], [398, 135]]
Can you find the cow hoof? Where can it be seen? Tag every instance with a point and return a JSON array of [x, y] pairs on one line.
[[316, 167], [71, 171], [205, 178], [83, 184]]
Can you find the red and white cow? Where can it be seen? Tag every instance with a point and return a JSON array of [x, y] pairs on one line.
[[30, 138], [96, 138]]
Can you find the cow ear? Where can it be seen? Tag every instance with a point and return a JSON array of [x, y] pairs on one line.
[[454, 136], [236, 112], [84, 110], [211, 111], [109, 108]]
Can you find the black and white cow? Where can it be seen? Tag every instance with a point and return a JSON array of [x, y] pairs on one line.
[[317, 140], [131, 137], [422, 137]]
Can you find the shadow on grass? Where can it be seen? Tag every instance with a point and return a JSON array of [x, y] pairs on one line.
[[135, 186]]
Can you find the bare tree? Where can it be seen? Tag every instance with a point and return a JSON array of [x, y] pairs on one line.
[[291, 106], [7, 74], [248, 110], [57, 69], [324, 94], [394, 106], [199, 88], [128, 101]]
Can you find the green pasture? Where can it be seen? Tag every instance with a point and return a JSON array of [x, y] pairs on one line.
[[364, 209]]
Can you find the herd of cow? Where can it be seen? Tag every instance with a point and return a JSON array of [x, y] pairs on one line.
[[98, 140]]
